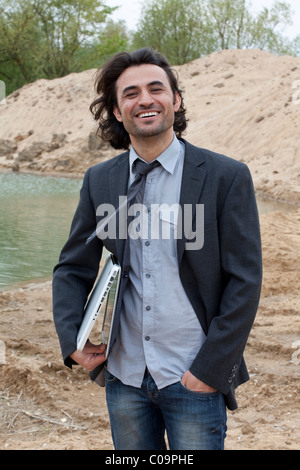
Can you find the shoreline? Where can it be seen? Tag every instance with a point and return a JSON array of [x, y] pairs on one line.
[[260, 194]]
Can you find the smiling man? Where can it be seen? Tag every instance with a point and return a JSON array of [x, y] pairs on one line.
[[183, 315]]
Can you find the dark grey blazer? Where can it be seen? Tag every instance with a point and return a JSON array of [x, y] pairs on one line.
[[222, 279]]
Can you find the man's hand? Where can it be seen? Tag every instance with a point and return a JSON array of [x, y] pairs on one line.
[[91, 356], [192, 383]]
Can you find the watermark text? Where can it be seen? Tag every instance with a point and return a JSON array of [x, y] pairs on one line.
[[159, 221]]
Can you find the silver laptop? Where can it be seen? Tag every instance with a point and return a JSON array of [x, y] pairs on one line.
[[104, 294]]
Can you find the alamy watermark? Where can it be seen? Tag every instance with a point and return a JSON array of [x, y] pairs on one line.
[[2, 92], [157, 221], [296, 94]]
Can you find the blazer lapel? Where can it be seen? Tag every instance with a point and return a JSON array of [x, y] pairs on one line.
[[118, 185], [193, 178]]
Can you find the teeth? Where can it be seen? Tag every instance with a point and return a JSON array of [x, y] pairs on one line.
[[149, 114]]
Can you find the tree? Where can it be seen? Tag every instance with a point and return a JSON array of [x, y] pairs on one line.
[[237, 28], [229, 22], [18, 39], [295, 46], [175, 28], [112, 38], [184, 30], [267, 29], [66, 26], [42, 38]]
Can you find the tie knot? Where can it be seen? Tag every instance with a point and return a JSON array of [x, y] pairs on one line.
[[143, 168]]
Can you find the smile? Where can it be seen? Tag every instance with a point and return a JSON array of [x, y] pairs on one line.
[[148, 114]]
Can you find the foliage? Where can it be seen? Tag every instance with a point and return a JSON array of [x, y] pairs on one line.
[[175, 28], [51, 38], [184, 30]]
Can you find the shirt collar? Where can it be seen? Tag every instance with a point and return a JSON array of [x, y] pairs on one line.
[[168, 159]]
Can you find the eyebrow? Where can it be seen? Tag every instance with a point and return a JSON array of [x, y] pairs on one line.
[[134, 87]]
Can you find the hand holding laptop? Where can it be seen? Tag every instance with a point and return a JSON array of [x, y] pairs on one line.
[[104, 294], [91, 356]]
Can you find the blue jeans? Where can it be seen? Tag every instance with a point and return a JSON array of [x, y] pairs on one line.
[[139, 417]]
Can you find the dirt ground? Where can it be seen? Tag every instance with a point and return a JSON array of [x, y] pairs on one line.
[[44, 405]]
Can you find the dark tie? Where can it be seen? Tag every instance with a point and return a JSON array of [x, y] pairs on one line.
[[136, 189], [141, 170]]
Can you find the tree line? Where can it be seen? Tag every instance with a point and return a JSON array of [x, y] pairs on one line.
[[52, 38]]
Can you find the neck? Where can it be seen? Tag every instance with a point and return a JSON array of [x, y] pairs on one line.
[[149, 148]]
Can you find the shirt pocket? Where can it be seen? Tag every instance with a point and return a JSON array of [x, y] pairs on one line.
[[168, 229]]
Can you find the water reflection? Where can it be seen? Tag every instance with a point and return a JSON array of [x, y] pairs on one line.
[[35, 217]]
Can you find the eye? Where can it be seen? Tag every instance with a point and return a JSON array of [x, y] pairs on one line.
[[131, 94]]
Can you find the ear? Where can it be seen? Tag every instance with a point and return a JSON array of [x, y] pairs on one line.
[[177, 101], [117, 114]]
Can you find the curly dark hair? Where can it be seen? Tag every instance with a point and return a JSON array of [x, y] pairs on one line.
[[109, 128]]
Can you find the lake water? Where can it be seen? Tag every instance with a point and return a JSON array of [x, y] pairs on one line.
[[35, 217]]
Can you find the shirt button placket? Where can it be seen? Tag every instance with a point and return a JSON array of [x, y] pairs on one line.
[[147, 264]]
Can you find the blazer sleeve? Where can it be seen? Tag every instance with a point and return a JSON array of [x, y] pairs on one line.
[[75, 273], [221, 355]]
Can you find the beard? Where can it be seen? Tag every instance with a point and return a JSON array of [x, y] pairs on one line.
[[149, 129]]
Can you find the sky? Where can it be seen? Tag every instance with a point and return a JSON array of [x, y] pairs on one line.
[[130, 11]]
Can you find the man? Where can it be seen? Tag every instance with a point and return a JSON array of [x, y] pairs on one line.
[[186, 308]]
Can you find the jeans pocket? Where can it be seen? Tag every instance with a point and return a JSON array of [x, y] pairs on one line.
[[199, 394], [110, 378]]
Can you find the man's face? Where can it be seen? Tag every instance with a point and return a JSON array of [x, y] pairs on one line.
[[146, 102]]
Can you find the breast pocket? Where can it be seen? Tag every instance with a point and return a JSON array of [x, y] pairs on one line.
[[168, 229]]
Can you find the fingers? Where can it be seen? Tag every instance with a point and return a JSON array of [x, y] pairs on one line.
[[192, 383], [90, 357], [94, 360], [94, 348]]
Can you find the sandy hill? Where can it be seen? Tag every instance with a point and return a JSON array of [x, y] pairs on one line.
[[241, 103]]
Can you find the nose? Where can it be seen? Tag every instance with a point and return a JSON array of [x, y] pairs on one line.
[[145, 98]]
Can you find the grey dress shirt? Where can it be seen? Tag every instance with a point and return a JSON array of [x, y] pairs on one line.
[[158, 327]]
